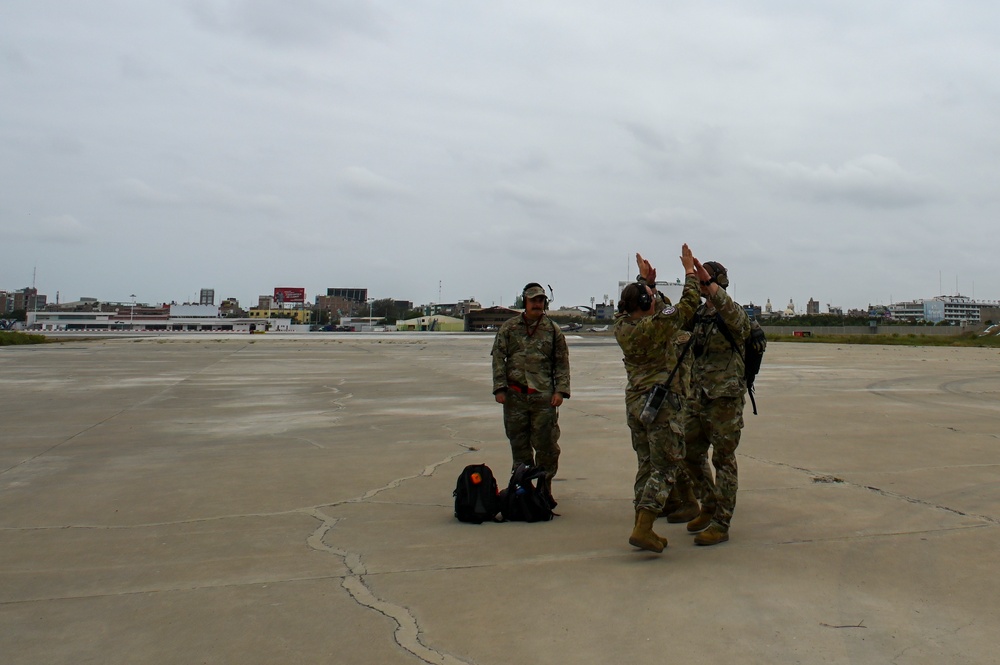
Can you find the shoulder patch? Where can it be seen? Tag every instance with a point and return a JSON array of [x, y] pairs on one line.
[[668, 310]]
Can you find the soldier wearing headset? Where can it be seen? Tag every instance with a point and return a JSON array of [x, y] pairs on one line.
[[531, 380], [648, 331]]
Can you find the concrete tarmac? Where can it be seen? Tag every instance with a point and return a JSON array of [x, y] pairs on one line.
[[288, 499]]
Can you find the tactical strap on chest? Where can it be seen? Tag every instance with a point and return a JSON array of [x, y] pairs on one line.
[[724, 329], [680, 359]]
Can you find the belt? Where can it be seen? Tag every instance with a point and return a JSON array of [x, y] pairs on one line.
[[521, 389]]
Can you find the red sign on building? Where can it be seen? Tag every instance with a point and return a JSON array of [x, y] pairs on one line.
[[283, 294]]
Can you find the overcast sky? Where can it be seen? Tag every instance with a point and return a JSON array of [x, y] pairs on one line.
[[441, 150]]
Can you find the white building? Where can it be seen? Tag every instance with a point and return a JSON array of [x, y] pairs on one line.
[[672, 290], [122, 321], [942, 308]]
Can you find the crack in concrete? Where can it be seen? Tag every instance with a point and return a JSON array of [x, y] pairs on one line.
[[407, 633], [856, 537], [876, 490]]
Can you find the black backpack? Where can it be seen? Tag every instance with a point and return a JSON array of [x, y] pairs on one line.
[[527, 498], [476, 497], [753, 355], [752, 352]]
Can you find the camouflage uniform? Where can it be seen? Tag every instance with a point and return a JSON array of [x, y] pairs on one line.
[[651, 346], [530, 363], [716, 406]]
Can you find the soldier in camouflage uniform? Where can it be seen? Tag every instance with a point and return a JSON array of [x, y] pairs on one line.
[[646, 331], [716, 406], [531, 380]]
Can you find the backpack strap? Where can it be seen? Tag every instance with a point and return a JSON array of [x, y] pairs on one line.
[[680, 359], [724, 329]]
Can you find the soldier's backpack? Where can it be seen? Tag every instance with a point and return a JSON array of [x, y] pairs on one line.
[[476, 497], [752, 352], [526, 498]]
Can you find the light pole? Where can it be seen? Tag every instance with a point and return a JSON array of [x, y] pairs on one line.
[[131, 314], [371, 327]]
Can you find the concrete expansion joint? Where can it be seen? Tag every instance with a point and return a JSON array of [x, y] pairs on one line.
[[407, 633]]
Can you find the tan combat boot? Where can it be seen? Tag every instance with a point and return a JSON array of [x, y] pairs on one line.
[[662, 539], [643, 535], [701, 522], [713, 535], [673, 502], [687, 508]]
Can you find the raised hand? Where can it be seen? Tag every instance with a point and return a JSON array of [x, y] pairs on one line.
[[687, 259], [646, 271], [702, 272]]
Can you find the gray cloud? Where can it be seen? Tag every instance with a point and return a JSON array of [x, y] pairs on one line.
[[53, 229], [868, 181], [361, 183], [649, 137], [523, 195], [783, 139], [196, 192], [135, 191], [226, 198], [671, 218], [291, 23]]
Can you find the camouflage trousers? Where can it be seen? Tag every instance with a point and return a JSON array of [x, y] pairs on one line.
[[659, 451], [532, 426], [716, 423]]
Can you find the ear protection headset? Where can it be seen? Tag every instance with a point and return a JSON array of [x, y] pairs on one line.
[[645, 301], [719, 273], [524, 291]]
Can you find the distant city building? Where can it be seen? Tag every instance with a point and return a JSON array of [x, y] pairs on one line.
[[490, 318], [353, 294], [231, 307], [753, 311], [207, 297], [299, 314], [956, 309], [812, 307], [570, 313], [433, 323], [194, 311], [604, 311], [150, 319], [458, 309], [81, 305], [337, 306], [26, 299]]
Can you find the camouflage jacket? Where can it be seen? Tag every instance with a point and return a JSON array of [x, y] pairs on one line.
[[537, 359], [718, 367], [652, 344]]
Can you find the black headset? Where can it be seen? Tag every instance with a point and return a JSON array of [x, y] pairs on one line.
[[644, 300], [524, 298]]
